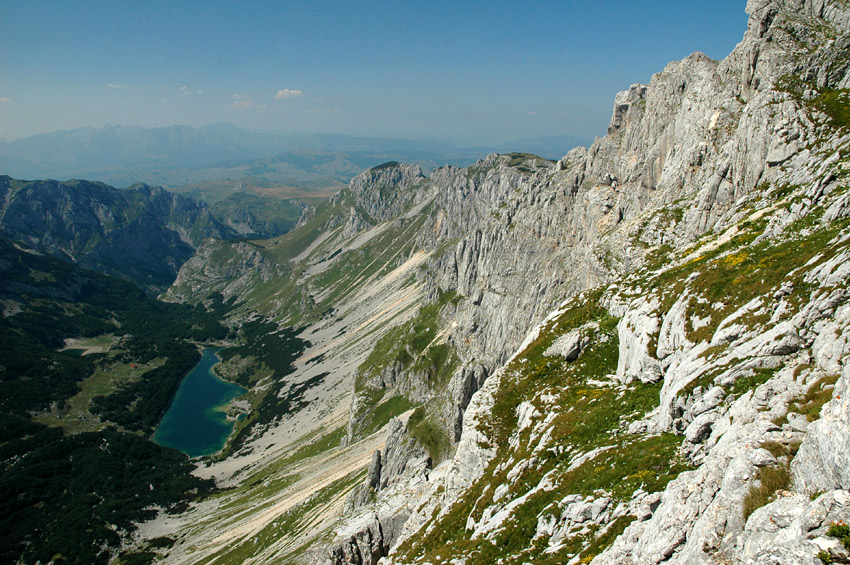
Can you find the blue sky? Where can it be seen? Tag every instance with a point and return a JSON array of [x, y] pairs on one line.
[[468, 72]]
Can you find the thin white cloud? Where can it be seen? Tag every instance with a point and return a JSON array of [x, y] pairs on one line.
[[531, 113], [113, 85], [4, 100], [184, 88], [287, 93], [243, 101]]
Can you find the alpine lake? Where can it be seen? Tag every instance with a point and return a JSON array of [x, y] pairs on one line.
[[196, 423]]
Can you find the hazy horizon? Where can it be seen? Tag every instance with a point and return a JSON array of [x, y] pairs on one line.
[[296, 134], [472, 74]]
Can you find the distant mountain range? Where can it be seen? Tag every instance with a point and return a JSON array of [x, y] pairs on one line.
[[174, 156]]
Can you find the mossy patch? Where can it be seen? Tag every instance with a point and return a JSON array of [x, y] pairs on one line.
[[382, 413], [413, 348], [771, 479], [409, 344]]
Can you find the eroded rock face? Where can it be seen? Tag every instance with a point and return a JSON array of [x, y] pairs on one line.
[[402, 457], [365, 547], [637, 330], [794, 528], [570, 345], [383, 192], [232, 267]]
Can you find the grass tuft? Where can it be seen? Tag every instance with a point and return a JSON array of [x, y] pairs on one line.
[[771, 480], [818, 394]]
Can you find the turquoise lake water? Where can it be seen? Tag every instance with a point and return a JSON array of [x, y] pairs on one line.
[[195, 422]]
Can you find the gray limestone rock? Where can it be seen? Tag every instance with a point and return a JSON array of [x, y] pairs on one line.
[[638, 330], [402, 455], [794, 526], [373, 477], [823, 461], [699, 430], [365, 547], [570, 345], [383, 192]]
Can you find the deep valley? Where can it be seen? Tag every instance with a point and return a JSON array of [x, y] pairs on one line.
[[638, 353]]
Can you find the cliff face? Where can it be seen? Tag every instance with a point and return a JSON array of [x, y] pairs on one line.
[[713, 215], [143, 234]]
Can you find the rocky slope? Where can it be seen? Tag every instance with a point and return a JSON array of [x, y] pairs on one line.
[[635, 354]]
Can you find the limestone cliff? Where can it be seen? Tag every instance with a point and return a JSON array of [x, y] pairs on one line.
[[713, 215]]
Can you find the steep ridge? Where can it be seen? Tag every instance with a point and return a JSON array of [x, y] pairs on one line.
[[143, 234], [685, 278]]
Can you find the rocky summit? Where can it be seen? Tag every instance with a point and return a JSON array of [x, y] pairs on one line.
[[637, 354]]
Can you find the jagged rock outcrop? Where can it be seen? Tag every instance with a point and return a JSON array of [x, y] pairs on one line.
[[402, 456], [823, 462], [387, 190]]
